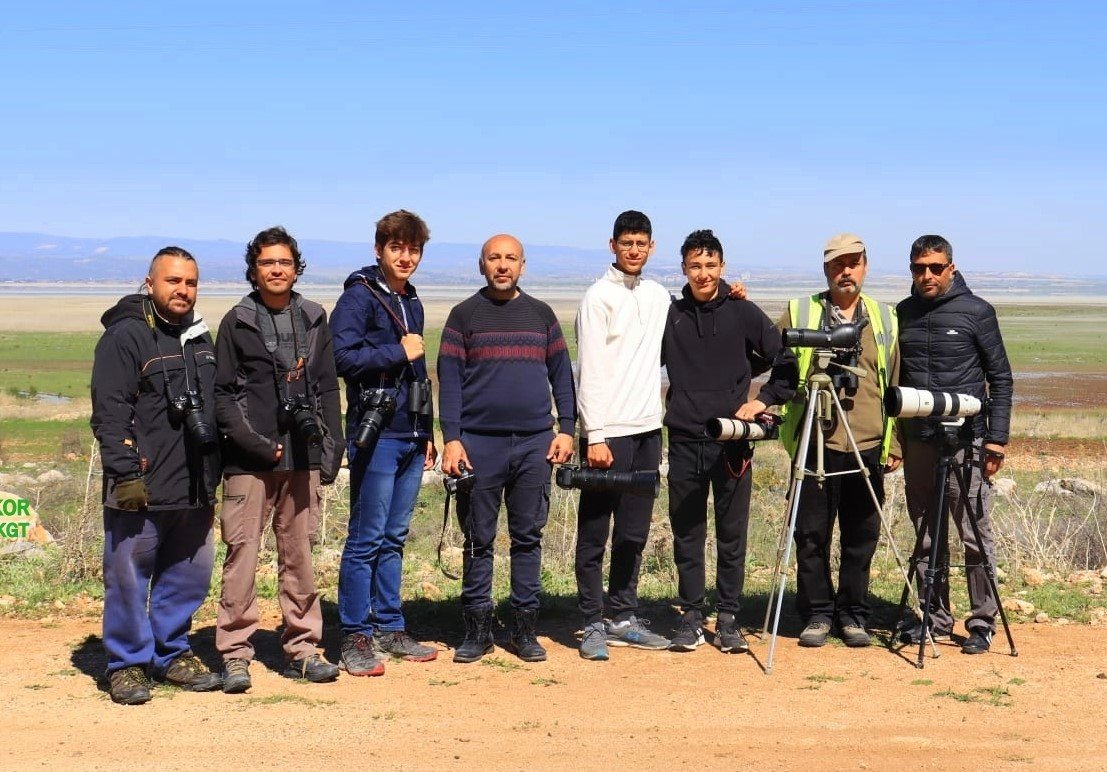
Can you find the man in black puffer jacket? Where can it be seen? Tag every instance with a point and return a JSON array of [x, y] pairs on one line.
[[713, 346], [950, 342]]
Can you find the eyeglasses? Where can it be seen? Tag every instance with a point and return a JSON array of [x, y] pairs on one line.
[[937, 269], [625, 245], [275, 263]]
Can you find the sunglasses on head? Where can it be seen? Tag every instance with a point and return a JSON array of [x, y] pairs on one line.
[[918, 269]]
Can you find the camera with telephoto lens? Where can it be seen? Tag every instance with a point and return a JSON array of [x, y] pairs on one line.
[[609, 481], [189, 410], [379, 406], [462, 482], [420, 398], [296, 416], [906, 402], [766, 427]]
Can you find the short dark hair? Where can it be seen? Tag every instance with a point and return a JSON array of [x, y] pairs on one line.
[[403, 226], [271, 237], [180, 252], [631, 221], [701, 241], [931, 243]]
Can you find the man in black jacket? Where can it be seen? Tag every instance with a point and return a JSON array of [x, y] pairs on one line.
[[153, 413], [276, 396], [950, 341], [713, 346]]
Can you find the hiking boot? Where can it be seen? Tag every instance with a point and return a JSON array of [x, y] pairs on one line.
[[728, 638], [814, 635], [978, 642], [523, 640], [689, 636], [129, 686], [593, 644], [478, 635], [402, 646], [192, 675], [358, 657], [236, 676], [635, 632], [913, 634], [311, 668], [855, 636]]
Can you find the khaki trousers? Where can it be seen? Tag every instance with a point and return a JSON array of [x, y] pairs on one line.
[[292, 499]]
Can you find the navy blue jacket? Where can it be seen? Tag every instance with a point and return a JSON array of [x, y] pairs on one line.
[[367, 350]]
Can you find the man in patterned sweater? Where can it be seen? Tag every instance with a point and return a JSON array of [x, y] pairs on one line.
[[502, 351]]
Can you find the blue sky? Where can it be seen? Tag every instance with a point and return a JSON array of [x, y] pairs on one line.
[[776, 124]]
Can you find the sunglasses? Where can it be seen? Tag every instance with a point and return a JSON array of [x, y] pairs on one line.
[[918, 269]]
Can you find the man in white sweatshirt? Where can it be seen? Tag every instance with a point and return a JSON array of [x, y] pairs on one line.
[[619, 330]]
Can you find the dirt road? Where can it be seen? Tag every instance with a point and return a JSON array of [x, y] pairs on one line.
[[831, 708]]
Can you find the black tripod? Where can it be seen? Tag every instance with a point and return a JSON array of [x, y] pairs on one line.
[[937, 526]]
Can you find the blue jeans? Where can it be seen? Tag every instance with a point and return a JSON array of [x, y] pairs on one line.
[[157, 568], [383, 492]]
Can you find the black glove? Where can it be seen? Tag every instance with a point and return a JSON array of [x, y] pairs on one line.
[[131, 494]]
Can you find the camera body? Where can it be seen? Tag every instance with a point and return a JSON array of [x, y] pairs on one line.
[[461, 482], [379, 406], [609, 481], [295, 415], [188, 409], [766, 427]]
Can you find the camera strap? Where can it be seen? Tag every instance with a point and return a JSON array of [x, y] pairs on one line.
[[267, 327], [398, 320], [149, 313], [442, 536]]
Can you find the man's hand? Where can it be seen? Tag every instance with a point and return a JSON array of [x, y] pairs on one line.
[[750, 410], [413, 346], [993, 459], [453, 454], [894, 463], [738, 292], [599, 456], [131, 494], [561, 449], [431, 456]]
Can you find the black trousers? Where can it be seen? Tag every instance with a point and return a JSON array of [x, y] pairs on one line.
[[845, 498], [695, 468], [631, 514]]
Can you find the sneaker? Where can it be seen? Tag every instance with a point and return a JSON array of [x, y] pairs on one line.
[[728, 638], [814, 635], [913, 634], [129, 686], [855, 636], [192, 675], [311, 668], [635, 632], [402, 646], [593, 644], [358, 657], [236, 676], [978, 642], [689, 635]]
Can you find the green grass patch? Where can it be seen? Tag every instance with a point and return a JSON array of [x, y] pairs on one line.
[[501, 664], [51, 439], [822, 678], [292, 699], [47, 362], [1054, 337]]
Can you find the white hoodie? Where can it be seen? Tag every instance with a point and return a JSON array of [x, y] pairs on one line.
[[619, 329]]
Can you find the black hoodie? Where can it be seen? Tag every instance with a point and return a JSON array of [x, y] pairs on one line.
[[140, 364], [712, 351]]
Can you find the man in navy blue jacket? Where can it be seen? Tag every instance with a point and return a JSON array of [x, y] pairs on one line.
[[502, 353], [377, 326]]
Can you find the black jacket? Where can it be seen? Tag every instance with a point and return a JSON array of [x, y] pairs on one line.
[[953, 344], [712, 351], [247, 401], [140, 363]]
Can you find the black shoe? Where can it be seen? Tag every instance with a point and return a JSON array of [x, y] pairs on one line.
[[478, 635], [814, 635], [913, 634], [192, 675], [855, 636], [523, 640], [978, 642], [129, 686], [359, 657], [728, 638], [400, 645], [311, 668], [236, 676], [689, 636]]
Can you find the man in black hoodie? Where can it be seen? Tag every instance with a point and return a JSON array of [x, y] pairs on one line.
[[153, 413], [276, 396], [713, 345], [950, 341]]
